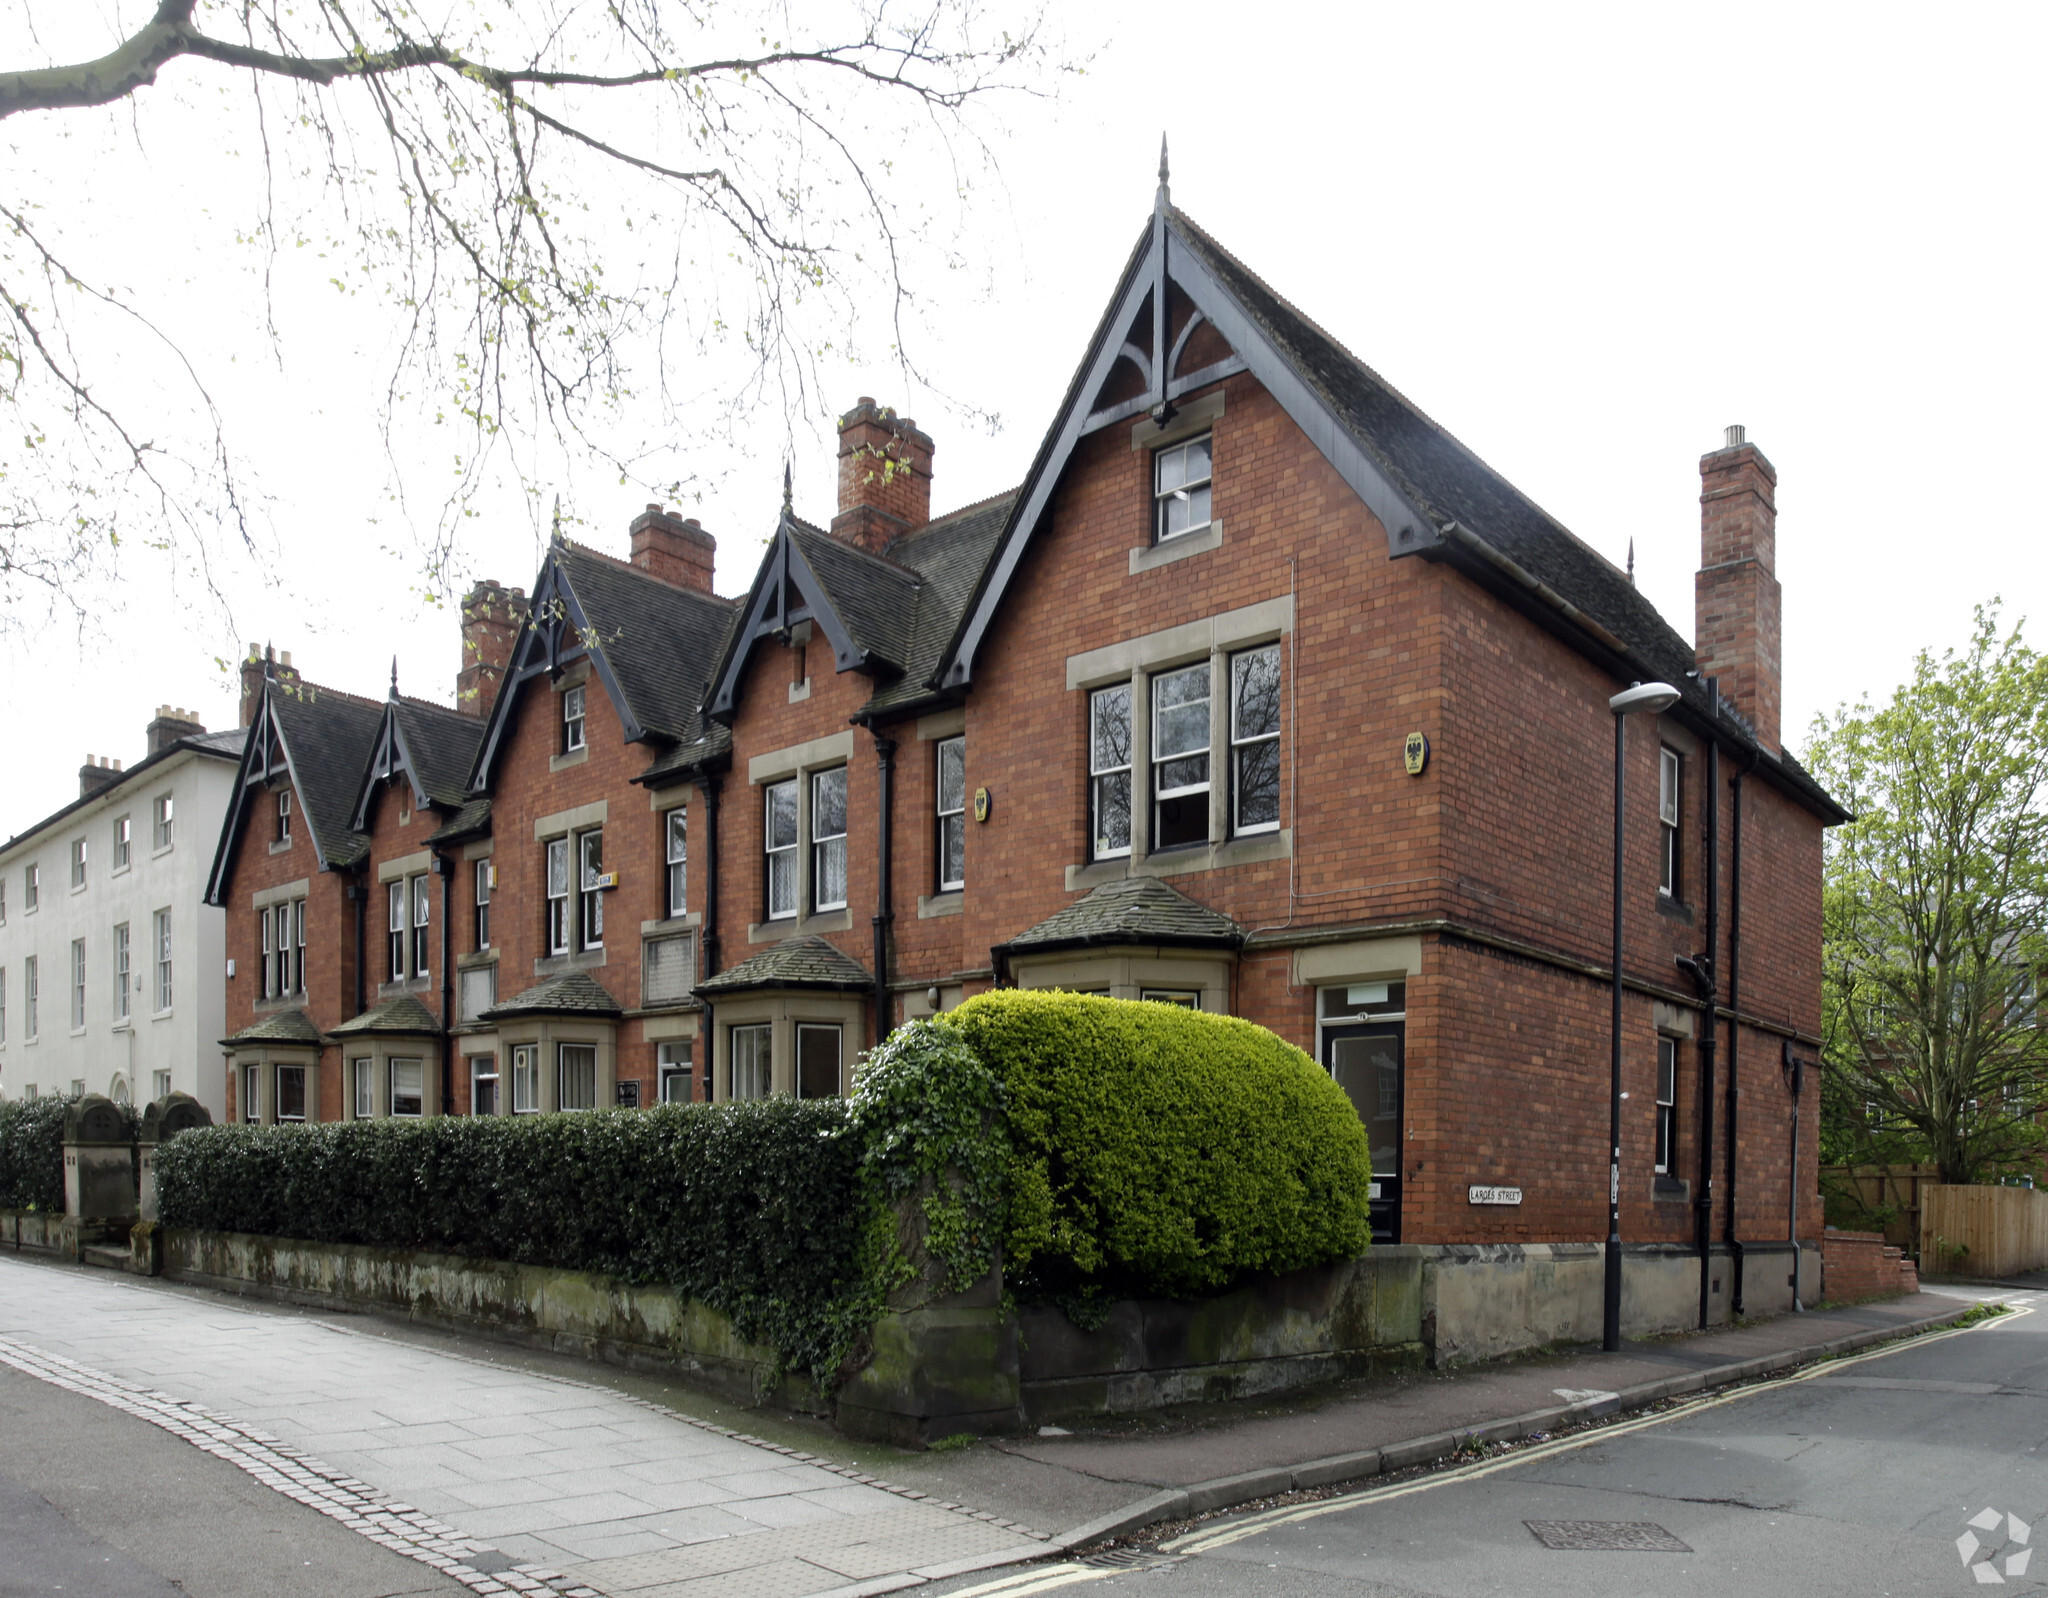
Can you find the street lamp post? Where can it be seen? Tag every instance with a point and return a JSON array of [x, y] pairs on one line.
[[1653, 697]]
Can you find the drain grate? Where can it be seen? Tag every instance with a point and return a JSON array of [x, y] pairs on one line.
[[1607, 1536], [1131, 1559]]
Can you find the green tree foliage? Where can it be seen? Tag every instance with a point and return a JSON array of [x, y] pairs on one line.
[[1161, 1151], [1936, 913]]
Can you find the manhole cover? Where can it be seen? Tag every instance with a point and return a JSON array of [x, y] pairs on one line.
[[1603, 1536], [1131, 1559]]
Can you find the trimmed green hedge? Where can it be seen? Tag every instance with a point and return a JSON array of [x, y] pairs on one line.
[[1164, 1152], [32, 1154], [757, 1210]]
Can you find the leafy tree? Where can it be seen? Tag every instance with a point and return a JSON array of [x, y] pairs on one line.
[[1936, 913], [565, 206]]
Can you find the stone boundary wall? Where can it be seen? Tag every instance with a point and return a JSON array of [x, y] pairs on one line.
[[1862, 1265]]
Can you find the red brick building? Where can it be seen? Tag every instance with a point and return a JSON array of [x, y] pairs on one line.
[[1261, 693]]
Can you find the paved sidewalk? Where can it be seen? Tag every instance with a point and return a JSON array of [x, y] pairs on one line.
[[496, 1466]]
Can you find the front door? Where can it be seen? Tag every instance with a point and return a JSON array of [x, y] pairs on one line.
[[1365, 1060]]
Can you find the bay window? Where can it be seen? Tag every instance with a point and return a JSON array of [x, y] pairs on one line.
[[576, 1064]]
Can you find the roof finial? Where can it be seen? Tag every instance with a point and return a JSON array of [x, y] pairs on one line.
[[788, 492], [555, 538], [394, 676], [1631, 563], [1165, 197]]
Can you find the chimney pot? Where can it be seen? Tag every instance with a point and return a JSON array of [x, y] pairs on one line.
[[1735, 434], [284, 658]]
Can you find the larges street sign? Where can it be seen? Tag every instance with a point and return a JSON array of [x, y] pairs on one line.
[[1494, 1195]]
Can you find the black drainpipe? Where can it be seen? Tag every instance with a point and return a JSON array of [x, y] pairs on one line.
[[708, 786], [444, 868], [1734, 1035], [885, 775], [360, 892], [1705, 973]]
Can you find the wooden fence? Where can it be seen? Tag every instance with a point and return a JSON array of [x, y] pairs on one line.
[[1883, 1198], [1982, 1231]]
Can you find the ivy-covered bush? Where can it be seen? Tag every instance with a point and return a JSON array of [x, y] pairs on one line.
[[1161, 1151], [759, 1210], [32, 1154]]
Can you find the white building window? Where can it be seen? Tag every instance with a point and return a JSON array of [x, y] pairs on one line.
[[1180, 757], [362, 1086], [828, 839], [77, 862], [30, 998], [124, 974], [3, 1004], [483, 1084], [1670, 785], [394, 926], [77, 984], [752, 1052], [572, 720], [284, 815], [159, 1085], [590, 898], [558, 896], [673, 1065], [1180, 488], [422, 912], [525, 1078], [162, 941], [123, 843], [252, 1102], [483, 905], [1667, 1104], [576, 1065], [32, 887], [291, 1093], [780, 833], [952, 813], [818, 1062], [299, 946], [407, 1087], [1255, 740], [1109, 771], [166, 819], [676, 839]]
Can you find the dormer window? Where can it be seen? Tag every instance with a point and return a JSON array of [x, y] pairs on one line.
[[1180, 489], [572, 720], [284, 815]]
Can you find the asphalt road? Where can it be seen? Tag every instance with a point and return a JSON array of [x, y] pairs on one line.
[[98, 1504], [1857, 1479]]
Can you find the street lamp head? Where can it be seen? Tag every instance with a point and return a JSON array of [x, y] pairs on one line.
[[1653, 697]]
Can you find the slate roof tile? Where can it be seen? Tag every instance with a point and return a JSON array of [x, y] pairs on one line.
[[568, 993], [402, 1014], [1136, 910], [807, 962], [660, 640], [287, 1026], [330, 736]]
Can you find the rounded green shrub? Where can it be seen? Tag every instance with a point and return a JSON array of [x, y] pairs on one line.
[[1162, 1151], [32, 1153]]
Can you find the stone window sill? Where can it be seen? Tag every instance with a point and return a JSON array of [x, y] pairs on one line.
[[1179, 862], [800, 926], [391, 990], [575, 757], [283, 847], [581, 960], [1668, 906], [1670, 1190], [1152, 556], [950, 903]]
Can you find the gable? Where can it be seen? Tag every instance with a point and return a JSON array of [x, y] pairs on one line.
[[786, 590], [318, 741]]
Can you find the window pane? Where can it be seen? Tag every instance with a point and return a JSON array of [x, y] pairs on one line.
[[483, 1084], [782, 815], [1667, 787], [1258, 784], [817, 1062], [525, 1071], [1113, 813], [1197, 452], [558, 868], [578, 1063], [782, 884], [953, 775], [1176, 776], [1255, 693], [291, 1093], [830, 867], [828, 803], [667, 969], [751, 1075], [1173, 469], [405, 1087], [1110, 715], [953, 851], [394, 897], [590, 849], [420, 901], [1181, 712]]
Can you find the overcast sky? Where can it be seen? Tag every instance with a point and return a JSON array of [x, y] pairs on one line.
[[1583, 238]]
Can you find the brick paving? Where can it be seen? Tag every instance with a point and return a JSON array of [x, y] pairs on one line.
[[507, 1480]]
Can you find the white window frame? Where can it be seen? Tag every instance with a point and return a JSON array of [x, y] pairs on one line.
[[392, 1067], [284, 815], [165, 821], [555, 926], [124, 842], [828, 848], [483, 905], [477, 1077], [562, 1053], [161, 930], [806, 1028], [574, 732], [362, 1088], [1664, 1145], [1103, 771], [78, 984], [31, 998], [950, 807], [673, 1064], [252, 1094], [78, 862], [159, 1085], [526, 1079], [1183, 792], [675, 835], [1245, 745], [1670, 813], [421, 893], [32, 887], [124, 960], [266, 960], [395, 942], [590, 892], [759, 1066], [277, 1094], [299, 946], [784, 890], [1197, 493]]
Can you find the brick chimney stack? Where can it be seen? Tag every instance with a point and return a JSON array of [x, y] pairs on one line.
[[259, 662], [98, 772], [677, 550], [492, 615], [172, 723], [885, 477], [1735, 592]]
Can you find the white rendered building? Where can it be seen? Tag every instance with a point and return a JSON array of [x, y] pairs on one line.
[[112, 968]]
